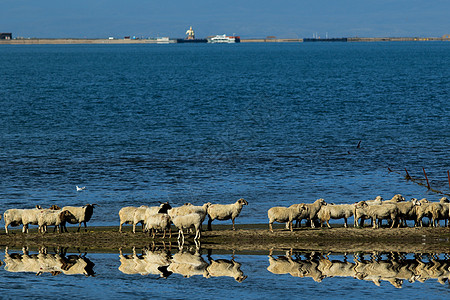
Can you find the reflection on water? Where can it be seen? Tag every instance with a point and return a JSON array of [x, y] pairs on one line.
[[377, 267], [186, 262], [393, 268], [42, 262]]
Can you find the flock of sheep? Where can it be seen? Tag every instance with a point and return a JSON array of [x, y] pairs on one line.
[[396, 210], [160, 218], [53, 216], [152, 218]]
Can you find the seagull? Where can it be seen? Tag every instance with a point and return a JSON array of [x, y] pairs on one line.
[[80, 188]]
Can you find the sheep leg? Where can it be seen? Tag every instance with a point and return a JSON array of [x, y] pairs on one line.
[[6, 229], [197, 234], [270, 227], [328, 224], [345, 223], [233, 224], [120, 228], [134, 228], [209, 223]]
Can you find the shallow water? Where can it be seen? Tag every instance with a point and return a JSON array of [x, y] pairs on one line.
[[220, 274]]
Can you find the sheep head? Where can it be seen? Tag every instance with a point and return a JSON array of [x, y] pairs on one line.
[[242, 201]]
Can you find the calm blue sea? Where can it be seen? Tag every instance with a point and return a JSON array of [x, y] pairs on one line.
[[275, 124]]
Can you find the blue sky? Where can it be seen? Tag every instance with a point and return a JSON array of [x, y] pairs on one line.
[[247, 18]]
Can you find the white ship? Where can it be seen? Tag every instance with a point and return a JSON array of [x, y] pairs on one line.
[[224, 39], [162, 40]]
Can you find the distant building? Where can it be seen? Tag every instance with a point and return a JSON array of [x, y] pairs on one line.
[[5, 36]]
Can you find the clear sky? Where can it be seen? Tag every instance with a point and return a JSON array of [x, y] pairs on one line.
[[247, 18]]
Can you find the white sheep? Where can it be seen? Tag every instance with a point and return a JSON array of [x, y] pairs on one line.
[[311, 211], [225, 211], [52, 217], [407, 210], [30, 217], [422, 211], [79, 215], [13, 217], [377, 201], [186, 222], [126, 216], [284, 214], [338, 211], [396, 199], [188, 208], [382, 212], [438, 211], [158, 221]]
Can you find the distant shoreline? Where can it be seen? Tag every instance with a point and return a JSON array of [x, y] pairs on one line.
[[69, 41]]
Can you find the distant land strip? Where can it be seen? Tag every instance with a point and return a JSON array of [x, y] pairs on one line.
[[47, 41]]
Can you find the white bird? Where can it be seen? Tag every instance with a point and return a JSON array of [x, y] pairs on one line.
[[80, 188]]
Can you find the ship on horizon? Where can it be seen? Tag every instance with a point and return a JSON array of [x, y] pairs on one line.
[[224, 39]]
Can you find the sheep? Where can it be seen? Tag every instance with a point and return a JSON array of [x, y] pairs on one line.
[[52, 217], [422, 211], [360, 213], [188, 208], [380, 212], [377, 201], [225, 211], [126, 216], [311, 211], [396, 199], [79, 215], [284, 214], [186, 222], [158, 221], [30, 216], [13, 217], [335, 212], [136, 215], [407, 210], [438, 211]]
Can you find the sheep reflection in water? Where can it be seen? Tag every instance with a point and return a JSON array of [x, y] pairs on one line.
[[148, 263], [395, 269], [42, 262], [186, 262]]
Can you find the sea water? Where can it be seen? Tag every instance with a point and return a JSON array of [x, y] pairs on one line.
[[275, 124]]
